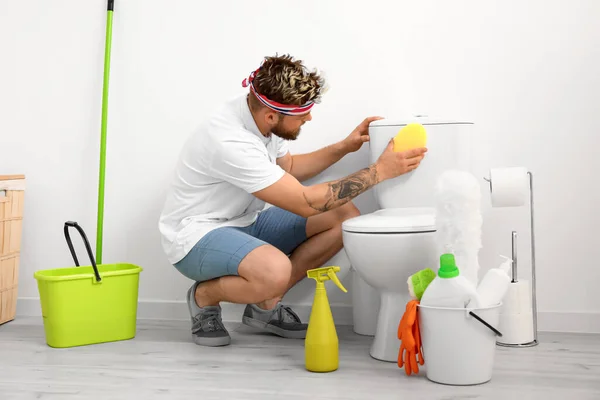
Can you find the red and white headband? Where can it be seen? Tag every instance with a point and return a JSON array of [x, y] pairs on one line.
[[281, 108]]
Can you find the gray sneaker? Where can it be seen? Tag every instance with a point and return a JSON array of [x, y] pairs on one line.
[[207, 326], [281, 321]]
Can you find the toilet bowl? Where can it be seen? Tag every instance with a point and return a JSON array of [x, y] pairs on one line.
[[387, 246]]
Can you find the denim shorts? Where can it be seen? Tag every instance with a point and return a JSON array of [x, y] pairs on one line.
[[220, 251]]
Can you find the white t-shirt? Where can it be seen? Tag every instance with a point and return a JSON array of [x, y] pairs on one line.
[[222, 163]]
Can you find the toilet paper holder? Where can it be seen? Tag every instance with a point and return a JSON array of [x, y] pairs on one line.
[[535, 341]]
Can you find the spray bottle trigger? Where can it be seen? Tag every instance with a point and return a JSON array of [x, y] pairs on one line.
[[335, 279]]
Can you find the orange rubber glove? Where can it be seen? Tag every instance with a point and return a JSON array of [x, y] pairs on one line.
[[417, 336], [410, 355]]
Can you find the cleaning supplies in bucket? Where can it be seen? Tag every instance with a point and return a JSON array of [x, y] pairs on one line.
[[459, 220], [494, 285], [449, 288], [410, 354], [321, 346], [418, 282], [449, 323], [459, 343]]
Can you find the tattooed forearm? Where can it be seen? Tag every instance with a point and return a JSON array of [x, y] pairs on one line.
[[341, 191]]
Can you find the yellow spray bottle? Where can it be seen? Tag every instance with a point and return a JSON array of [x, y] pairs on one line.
[[321, 346]]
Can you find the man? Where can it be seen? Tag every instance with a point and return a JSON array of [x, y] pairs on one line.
[[214, 225]]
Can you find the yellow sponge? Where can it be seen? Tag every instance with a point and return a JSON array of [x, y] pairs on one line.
[[411, 136]]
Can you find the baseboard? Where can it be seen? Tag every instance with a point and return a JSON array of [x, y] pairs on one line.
[[177, 310], [342, 313], [573, 322]]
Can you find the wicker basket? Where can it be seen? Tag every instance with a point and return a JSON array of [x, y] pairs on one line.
[[12, 192]]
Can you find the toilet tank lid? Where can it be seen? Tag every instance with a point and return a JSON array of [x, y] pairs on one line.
[[423, 120], [393, 220]]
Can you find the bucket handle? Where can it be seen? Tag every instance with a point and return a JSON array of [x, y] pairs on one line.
[[478, 318], [87, 246]]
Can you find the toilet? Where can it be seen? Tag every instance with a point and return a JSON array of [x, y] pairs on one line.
[[387, 246]]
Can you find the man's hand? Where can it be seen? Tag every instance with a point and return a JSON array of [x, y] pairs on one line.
[[306, 166], [391, 164], [359, 135]]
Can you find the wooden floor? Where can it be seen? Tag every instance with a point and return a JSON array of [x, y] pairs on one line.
[[163, 363]]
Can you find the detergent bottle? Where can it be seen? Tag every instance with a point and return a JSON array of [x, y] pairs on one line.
[[321, 346], [449, 288], [494, 285]]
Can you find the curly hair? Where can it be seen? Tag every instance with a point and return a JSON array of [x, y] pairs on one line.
[[287, 81]]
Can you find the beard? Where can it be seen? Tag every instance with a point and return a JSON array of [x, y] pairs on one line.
[[279, 131]]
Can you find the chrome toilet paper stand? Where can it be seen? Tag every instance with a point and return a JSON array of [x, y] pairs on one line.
[[535, 341]]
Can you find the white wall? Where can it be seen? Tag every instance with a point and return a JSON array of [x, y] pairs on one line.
[[525, 72]]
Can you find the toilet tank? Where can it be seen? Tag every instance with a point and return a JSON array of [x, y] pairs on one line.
[[449, 147]]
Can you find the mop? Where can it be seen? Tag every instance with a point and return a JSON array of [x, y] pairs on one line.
[[459, 220], [102, 172]]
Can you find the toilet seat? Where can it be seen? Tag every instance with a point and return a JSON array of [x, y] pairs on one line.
[[393, 220]]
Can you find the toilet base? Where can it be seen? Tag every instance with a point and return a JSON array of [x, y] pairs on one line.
[[386, 345], [365, 306]]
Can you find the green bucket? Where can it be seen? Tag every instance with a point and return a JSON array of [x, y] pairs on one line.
[[92, 304]]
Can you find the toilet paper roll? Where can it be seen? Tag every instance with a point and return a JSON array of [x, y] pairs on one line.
[[516, 315], [509, 186], [517, 299], [516, 328]]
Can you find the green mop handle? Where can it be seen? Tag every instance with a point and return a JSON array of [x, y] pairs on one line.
[[99, 232]]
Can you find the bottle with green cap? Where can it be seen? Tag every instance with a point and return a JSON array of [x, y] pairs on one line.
[[449, 288]]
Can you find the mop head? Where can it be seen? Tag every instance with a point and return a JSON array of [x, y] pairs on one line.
[[458, 220], [418, 282]]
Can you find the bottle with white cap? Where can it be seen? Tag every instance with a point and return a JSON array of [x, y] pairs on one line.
[[494, 285]]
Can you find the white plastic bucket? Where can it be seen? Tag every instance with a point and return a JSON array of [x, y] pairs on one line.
[[459, 349]]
